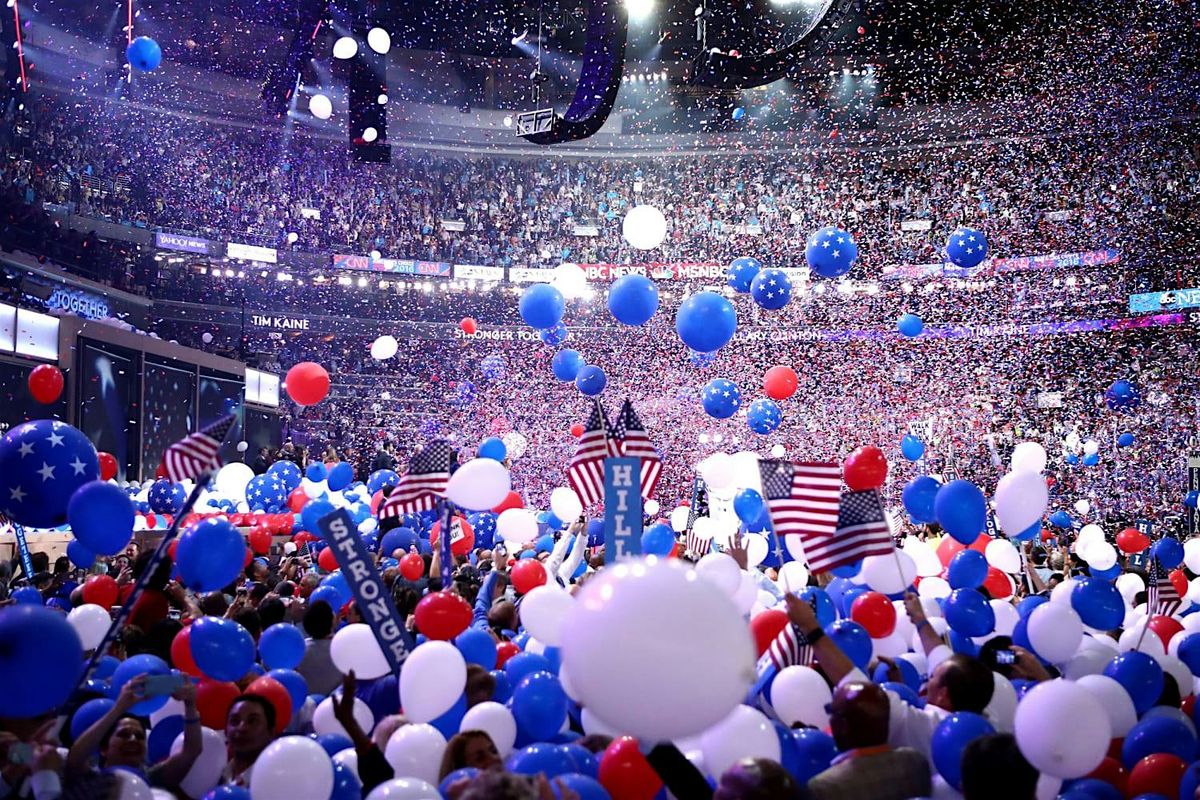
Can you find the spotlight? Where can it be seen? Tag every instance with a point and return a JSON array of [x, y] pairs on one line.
[[639, 10], [516, 40], [508, 120]]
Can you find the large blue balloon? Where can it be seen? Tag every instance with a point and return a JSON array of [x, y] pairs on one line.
[[1098, 603], [340, 476], [911, 447], [79, 554], [346, 785], [143, 54], [961, 510], [831, 252], [1125, 440], [477, 647], [591, 380], [281, 646], [221, 648], [130, 668], [265, 493], [706, 322], [633, 299], [88, 713], [492, 367], [910, 325], [1158, 735], [748, 505], [823, 604], [381, 478], [657, 540], [539, 704], [43, 463], [398, 539], [288, 474], [951, 737], [1189, 652], [967, 569], [316, 472], [541, 757], [1141, 676], [771, 289], [297, 687], [816, 750], [312, 512], [566, 364], [165, 497], [1168, 551], [465, 773], [542, 306], [493, 448], [1061, 519], [918, 497], [210, 555], [741, 273], [966, 248], [763, 416], [554, 336], [162, 736], [27, 595], [585, 786], [969, 613], [1122, 395], [101, 517], [721, 398], [853, 640]]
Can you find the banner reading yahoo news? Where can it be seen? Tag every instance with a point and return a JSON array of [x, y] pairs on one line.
[[394, 266]]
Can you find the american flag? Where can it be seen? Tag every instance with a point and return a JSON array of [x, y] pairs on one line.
[[785, 651], [699, 508], [862, 530], [586, 471], [802, 499], [1161, 595], [630, 432], [425, 481], [197, 453]]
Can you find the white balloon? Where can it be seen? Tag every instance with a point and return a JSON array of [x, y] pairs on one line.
[[756, 549], [320, 106], [717, 470], [345, 47], [432, 680], [800, 694], [1002, 708], [517, 526], [348, 758], [1062, 592], [778, 451], [746, 594], [171, 708], [379, 40], [496, 721], [355, 648], [646, 669], [323, 720], [923, 555], [1115, 701], [415, 750], [1020, 501], [1082, 507], [1090, 447], [793, 577], [644, 227], [679, 519], [594, 725], [570, 280], [479, 485], [1002, 555], [405, 789], [651, 507], [1007, 616], [893, 645], [1029, 457], [1176, 669], [291, 767], [1101, 556], [1055, 631], [889, 574], [1132, 638], [384, 347], [1085, 662], [743, 733], [232, 479], [565, 504], [1191, 554], [795, 546], [207, 768], [1062, 729], [91, 622], [131, 786], [721, 570], [544, 611]]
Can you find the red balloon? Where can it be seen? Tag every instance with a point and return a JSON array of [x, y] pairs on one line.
[[46, 383], [626, 773], [780, 383], [1188, 705], [462, 538], [997, 584], [766, 626], [468, 325], [1179, 581], [274, 693], [326, 560], [297, 500], [874, 612], [528, 574], [304, 537], [101, 590], [1111, 772], [108, 466], [1159, 773], [181, 653], [442, 615], [577, 430], [412, 566], [511, 500], [505, 651], [1165, 628], [1131, 540], [865, 468], [151, 520], [260, 541], [307, 383], [213, 699], [949, 547]]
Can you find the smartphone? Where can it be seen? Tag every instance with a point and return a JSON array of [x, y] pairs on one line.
[[20, 753], [1007, 657], [162, 685]]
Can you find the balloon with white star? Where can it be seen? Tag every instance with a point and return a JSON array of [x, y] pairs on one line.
[[966, 248], [771, 289], [741, 272], [288, 473], [721, 398], [266, 493], [42, 463], [831, 252], [166, 497], [763, 416]]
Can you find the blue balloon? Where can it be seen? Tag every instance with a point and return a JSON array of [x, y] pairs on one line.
[[28, 596], [162, 736], [591, 380], [1125, 440], [544, 544], [288, 474], [1158, 735], [910, 326], [297, 687], [340, 476], [741, 273], [398, 539], [503, 691], [1090, 789], [1192, 499], [79, 554], [316, 472], [721, 398], [230, 792], [346, 785], [566, 364], [1072, 459], [831, 252], [381, 478], [477, 647], [748, 505], [542, 306], [911, 447], [906, 692], [465, 773], [143, 54], [1189, 652], [633, 299], [1122, 395], [161, 496], [221, 648], [822, 603], [771, 289], [88, 713], [265, 493], [918, 497], [42, 464], [763, 416], [1091, 459], [337, 582], [1061, 519], [522, 664], [587, 787], [739, 113], [961, 510], [1168, 551], [493, 448], [130, 668], [483, 523], [492, 367], [333, 743], [853, 640], [210, 555], [551, 759], [963, 644], [1141, 676], [449, 722], [967, 569], [816, 751], [281, 646], [969, 613], [706, 322], [966, 248], [657, 540], [1189, 784], [312, 512], [1098, 603], [554, 336], [539, 704], [1028, 604], [911, 679], [105, 667], [701, 359], [951, 737], [586, 762], [595, 532]]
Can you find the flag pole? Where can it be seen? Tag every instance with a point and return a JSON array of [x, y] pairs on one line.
[[1149, 611]]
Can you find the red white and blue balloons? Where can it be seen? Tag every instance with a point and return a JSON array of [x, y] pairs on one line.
[[763, 416], [831, 252], [633, 299], [722, 398], [771, 289], [42, 463], [706, 322], [741, 273], [966, 248]]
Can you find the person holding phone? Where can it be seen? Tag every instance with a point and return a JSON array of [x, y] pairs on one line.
[[120, 737]]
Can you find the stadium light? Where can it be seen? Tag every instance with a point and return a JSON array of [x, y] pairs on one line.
[[639, 10]]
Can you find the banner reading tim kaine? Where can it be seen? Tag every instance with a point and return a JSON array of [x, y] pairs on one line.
[[374, 599], [622, 508]]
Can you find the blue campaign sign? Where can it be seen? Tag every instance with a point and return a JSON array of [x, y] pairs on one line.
[[374, 599], [622, 508]]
